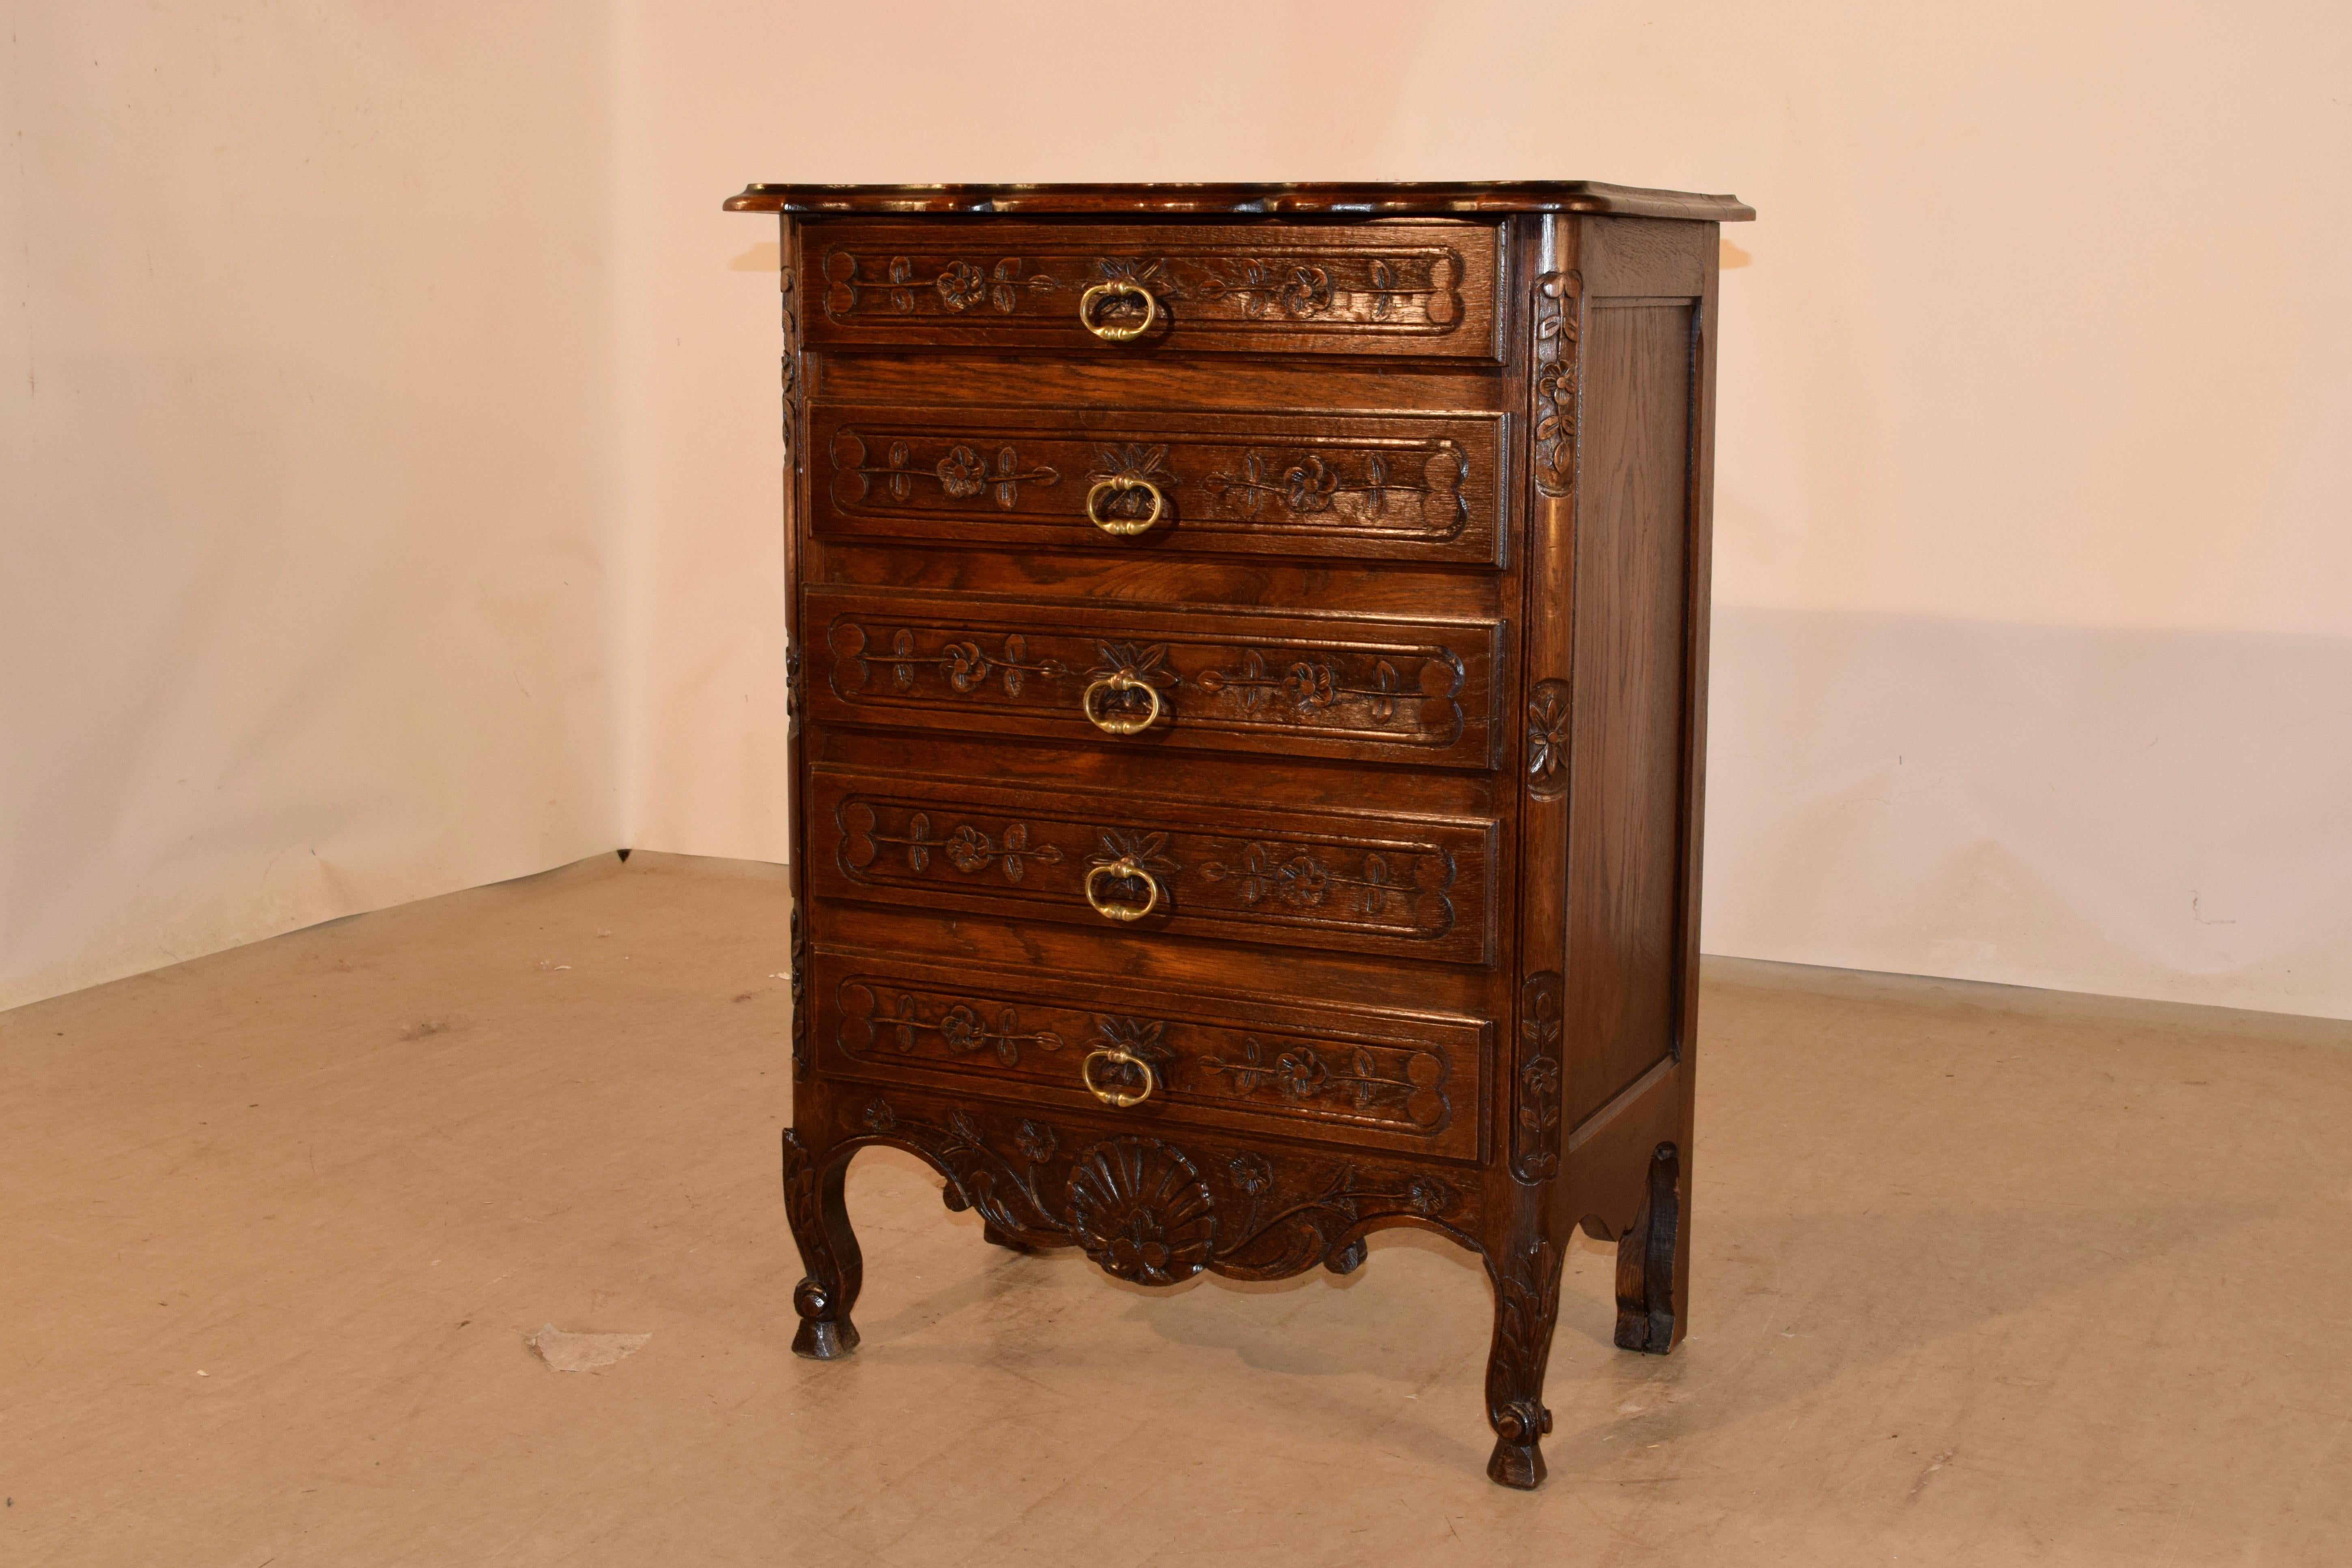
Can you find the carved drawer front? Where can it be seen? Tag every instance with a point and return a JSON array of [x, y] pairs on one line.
[[1418, 887], [1368, 1077], [1234, 681], [1406, 487], [1413, 289]]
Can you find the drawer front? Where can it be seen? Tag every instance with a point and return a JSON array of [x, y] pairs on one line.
[[1405, 486], [1419, 290], [1355, 882], [1225, 680], [1350, 1073]]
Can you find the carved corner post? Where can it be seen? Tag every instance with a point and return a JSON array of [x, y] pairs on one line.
[[1527, 1246], [813, 1174]]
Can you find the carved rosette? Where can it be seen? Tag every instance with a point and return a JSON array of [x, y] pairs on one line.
[[1535, 1080], [1559, 313], [1548, 736]]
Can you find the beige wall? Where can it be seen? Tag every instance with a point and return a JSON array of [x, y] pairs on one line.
[[308, 510], [2033, 657]]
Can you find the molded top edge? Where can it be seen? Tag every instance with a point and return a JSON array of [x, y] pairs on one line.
[[1369, 200]]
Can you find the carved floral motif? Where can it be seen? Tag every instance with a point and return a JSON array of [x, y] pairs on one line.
[[963, 472], [907, 1020], [1306, 1072], [966, 665], [1407, 287], [968, 848], [1549, 716], [1296, 878], [1147, 1210], [799, 984], [1535, 1120], [1559, 298], [1307, 685]]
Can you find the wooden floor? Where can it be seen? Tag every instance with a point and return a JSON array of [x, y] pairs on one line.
[[1983, 1276]]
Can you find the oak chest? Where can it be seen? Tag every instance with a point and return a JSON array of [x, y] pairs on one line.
[[1247, 655]]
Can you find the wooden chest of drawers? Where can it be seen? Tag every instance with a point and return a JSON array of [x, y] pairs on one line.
[[1248, 650]]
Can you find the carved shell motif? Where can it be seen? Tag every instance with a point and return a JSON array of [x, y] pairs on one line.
[[1141, 1211]]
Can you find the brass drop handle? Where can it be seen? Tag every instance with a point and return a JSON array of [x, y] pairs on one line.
[[1117, 1097], [1123, 868], [1121, 723], [1103, 329], [1125, 527]]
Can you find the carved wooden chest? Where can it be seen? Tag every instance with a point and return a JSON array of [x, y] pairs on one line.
[[1249, 652]]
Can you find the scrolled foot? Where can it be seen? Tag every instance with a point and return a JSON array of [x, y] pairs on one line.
[[825, 1331], [1517, 1460], [1518, 1464], [1349, 1259]]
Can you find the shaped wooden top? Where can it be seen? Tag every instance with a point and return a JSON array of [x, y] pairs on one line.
[[1403, 199]]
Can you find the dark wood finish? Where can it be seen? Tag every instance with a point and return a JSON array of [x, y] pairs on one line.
[[1325, 486], [1349, 200], [1423, 290], [1302, 685], [1418, 818]]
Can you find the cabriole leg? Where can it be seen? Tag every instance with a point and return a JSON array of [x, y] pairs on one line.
[[815, 1208], [1526, 1305]]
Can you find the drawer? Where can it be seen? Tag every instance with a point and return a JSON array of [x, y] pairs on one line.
[[1409, 290], [1220, 679], [1414, 887], [1376, 486], [1343, 1073]]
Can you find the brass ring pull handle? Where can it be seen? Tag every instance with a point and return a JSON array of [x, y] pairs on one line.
[[1126, 527], [1117, 1097], [1120, 724], [1109, 333], [1124, 866]]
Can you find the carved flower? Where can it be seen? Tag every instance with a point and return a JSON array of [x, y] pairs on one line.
[[962, 286], [1301, 881], [1310, 486], [877, 1116], [1148, 850], [1312, 685], [967, 666], [962, 473], [1301, 1072], [1541, 1077], [1034, 1141], [1250, 1172], [1548, 726], [1308, 290], [1141, 1211], [962, 1028], [969, 848], [1427, 1194]]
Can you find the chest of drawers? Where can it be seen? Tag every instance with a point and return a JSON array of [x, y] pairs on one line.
[[1247, 655]]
